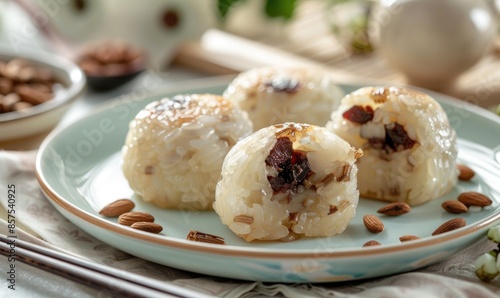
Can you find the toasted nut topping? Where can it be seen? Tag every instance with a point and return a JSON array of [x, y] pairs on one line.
[[465, 173], [394, 209], [333, 209], [149, 170], [371, 243], [472, 198], [244, 219], [130, 218], [150, 227], [343, 204], [358, 153], [405, 238], [346, 171], [204, 237], [325, 181], [453, 206], [117, 207], [373, 223], [379, 95], [450, 225]]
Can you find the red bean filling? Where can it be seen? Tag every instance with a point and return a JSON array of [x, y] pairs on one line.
[[396, 136], [292, 166], [359, 114]]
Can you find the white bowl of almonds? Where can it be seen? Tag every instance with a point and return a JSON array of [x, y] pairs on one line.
[[36, 89]]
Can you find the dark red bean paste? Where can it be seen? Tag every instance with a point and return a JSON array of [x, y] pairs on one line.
[[396, 137], [359, 114], [292, 166]]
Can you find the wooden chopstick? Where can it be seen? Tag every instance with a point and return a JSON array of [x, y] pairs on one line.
[[117, 282]]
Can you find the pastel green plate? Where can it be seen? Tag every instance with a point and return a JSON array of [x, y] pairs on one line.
[[79, 170]]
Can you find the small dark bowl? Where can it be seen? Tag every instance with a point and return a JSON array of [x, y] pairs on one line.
[[106, 83]]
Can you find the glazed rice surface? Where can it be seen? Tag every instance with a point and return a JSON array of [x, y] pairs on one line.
[[175, 147], [274, 95]]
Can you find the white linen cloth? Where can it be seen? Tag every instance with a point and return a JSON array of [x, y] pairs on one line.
[[39, 222]]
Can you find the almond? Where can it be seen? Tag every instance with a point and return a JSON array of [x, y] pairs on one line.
[[145, 226], [450, 225], [472, 198], [371, 243], [394, 209], [453, 206], [130, 218], [464, 172], [405, 238], [117, 207], [373, 223]]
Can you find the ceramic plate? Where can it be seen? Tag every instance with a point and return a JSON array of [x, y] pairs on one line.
[[79, 170]]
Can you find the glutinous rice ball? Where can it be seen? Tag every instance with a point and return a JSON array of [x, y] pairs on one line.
[[288, 181], [409, 147], [274, 95], [175, 147]]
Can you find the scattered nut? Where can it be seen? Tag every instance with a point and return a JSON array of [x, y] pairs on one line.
[[117, 207], [453, 206], [472, 198], [394, 209], [405, 238], [371, 243], [204, 237], [150, 227], [373, 223], [130, 218], [450, 225], [465, 172]]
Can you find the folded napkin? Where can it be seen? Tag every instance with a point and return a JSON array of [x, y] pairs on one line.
[[39, 222]]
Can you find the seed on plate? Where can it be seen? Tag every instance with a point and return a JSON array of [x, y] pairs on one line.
[[394, 209], [243, 219], [453, 206], [117, 207], [465, 173], [405, 238], [130, 218], [373, 223], [450, 225], [150, 227], [371, 243], [204, 237]]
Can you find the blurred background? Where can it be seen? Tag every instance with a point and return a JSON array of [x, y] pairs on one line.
[[450, 46], [329, 32]]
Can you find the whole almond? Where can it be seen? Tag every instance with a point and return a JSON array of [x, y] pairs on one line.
[[371, 243], [130, 218], [405, 238], [373, 223], [465, 173], [472, 198], [394, 209], [453, 206], [150, 227], [450, 225], [117, 207]]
